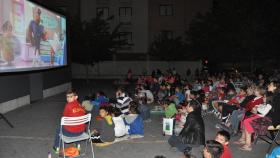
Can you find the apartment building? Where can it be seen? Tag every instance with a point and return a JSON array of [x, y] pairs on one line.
[[142, 19], [133, 14], [172, 17]]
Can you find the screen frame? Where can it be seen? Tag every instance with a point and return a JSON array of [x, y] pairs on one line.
[[45, 68]]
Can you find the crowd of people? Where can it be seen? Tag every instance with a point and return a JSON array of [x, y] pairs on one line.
[[243, 103]]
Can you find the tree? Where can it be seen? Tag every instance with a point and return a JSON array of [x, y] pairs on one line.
[[93, 41], [236, 30], [166, 48]]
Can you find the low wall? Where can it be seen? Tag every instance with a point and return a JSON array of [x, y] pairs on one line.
[[118, 69], [20, 89]]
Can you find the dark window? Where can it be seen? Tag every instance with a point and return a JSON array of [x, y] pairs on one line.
[[125, 11], [104, 11], [125, 14], [166, 10], [126, 36], [167, 33]]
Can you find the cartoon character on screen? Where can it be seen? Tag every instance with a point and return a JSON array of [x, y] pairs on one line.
[[9, 44], [57, 44], [36, 33]]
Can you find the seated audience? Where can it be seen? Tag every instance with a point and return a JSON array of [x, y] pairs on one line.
[[223, 137], [193, 132], [123, 101], [72, 109], [247, 128], [134, 121], [274, 114], [103, 129], [118, 119], [180, 118], [213, 149], [144, 109], [169, 108]]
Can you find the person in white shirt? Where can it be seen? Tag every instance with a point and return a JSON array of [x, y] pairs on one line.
[[148, 94], [120, 129]]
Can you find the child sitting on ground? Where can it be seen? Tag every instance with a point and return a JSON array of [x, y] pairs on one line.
[[223, 137], [144, 109], [99, 100], [103, 130], [120, 129], [180, 119], [133, 121], [170, 109]]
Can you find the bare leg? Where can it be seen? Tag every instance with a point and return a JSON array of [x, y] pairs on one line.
[[242, 139], [248, 138], [247, 146]]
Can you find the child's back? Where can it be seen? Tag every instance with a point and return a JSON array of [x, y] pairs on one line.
[[120, 129], [170, 111], [135, 124]]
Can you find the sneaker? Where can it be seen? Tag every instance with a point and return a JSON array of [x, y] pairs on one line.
[[95, 137], [56, 150], [218, 126]]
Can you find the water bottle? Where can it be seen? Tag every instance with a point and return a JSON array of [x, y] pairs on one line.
[[79, 147], [49, 155]]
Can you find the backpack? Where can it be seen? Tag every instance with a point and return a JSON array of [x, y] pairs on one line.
[[71, 152]]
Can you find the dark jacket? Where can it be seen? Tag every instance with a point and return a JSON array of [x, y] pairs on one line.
[[274, 113], [106, 130], [193, 132]]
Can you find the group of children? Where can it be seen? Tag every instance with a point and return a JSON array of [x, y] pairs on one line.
[[115, 119], [111, 121], [111, 124]]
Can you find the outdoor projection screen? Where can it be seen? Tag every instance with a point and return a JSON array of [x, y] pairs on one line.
[[31, 37]]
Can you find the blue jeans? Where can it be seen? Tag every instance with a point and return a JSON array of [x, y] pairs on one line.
[[236, 117], [145, 112], [65, 133]]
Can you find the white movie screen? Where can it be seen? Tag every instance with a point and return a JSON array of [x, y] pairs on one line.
[[31, 37]]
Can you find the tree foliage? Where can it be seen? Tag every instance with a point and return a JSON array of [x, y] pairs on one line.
[[94, 40], [236, 30], [166, 48]]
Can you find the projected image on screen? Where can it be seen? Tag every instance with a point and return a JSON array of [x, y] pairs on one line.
[[31, 37]]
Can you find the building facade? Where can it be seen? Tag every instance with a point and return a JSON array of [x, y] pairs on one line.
[[145, 19], [172, 17], [133, 14]]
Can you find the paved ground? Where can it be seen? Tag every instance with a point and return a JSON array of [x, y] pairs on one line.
[[35, 126]]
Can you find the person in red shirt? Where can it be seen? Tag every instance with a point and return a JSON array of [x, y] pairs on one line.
[[223, 137], [233, 104], [72, 109]]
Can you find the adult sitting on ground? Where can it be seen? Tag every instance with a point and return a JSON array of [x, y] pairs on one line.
[[193, 132]]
